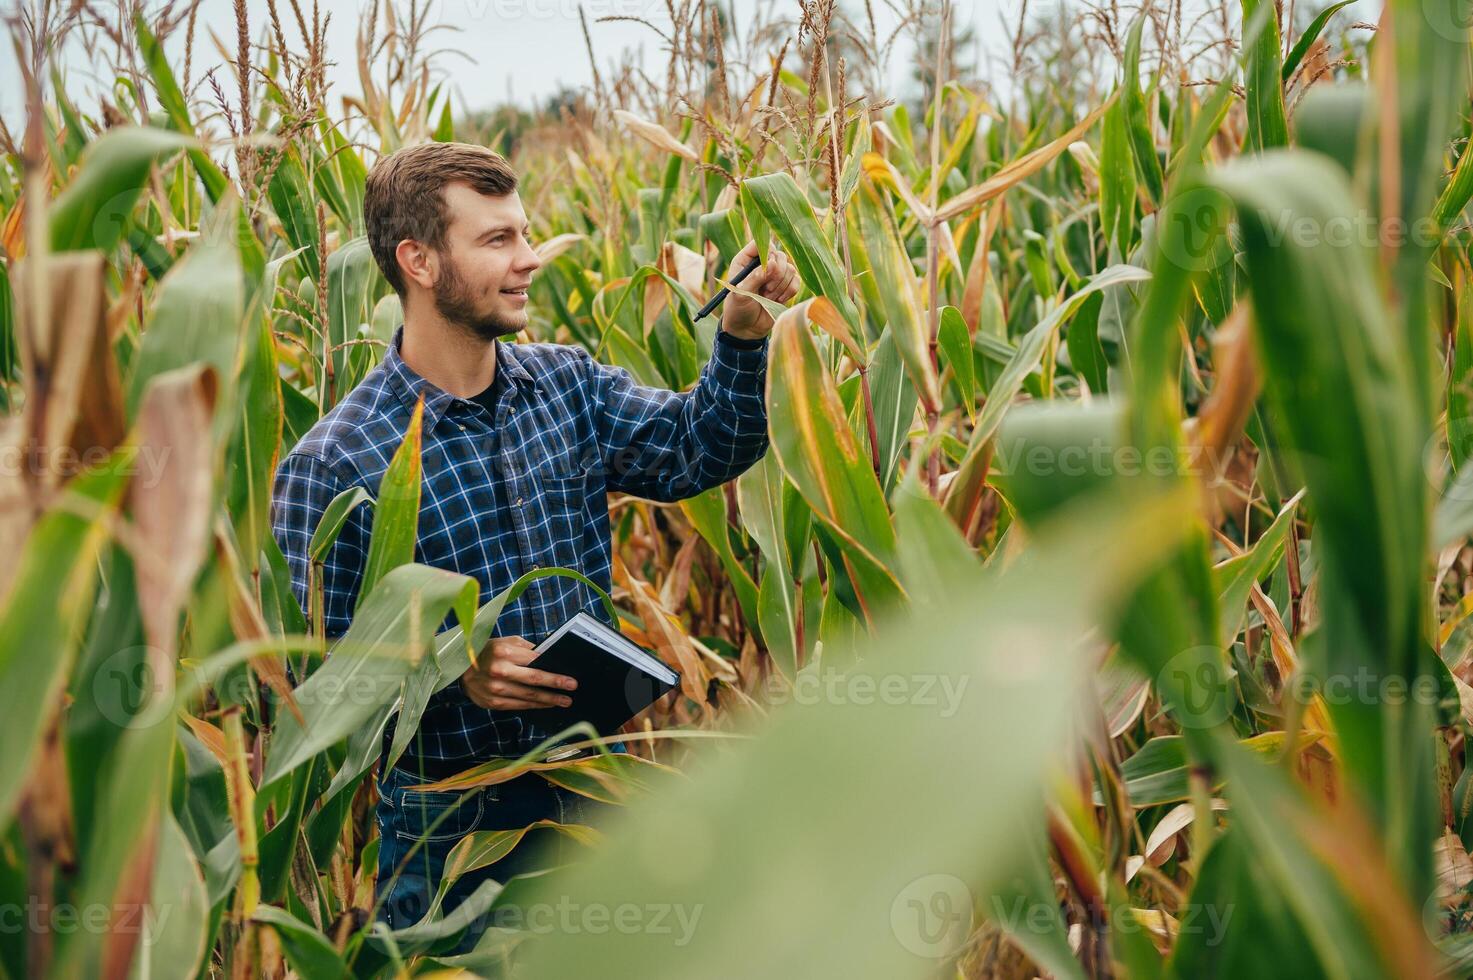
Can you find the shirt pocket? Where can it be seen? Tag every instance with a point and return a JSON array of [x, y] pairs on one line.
[[565, 509], [552, 442], [433, 816]]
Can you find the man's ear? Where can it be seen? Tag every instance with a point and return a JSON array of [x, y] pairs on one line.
[[417, 263]]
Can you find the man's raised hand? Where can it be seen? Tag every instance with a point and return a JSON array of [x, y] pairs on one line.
[[502, 679], [743, 316]]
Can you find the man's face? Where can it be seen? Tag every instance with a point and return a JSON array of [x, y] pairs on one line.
[[486, 264]]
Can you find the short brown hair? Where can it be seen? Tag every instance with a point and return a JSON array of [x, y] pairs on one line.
[[404, 196]]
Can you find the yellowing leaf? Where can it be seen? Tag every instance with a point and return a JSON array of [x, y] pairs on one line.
[[1020, 169], [654, 134]]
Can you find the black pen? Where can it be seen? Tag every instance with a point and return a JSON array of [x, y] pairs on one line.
[[715, 301]]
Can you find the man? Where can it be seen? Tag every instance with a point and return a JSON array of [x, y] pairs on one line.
[[521, 443]]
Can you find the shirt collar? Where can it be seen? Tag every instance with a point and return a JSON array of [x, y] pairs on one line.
[[408, 385]]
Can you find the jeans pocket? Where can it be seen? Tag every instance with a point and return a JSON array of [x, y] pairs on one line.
[[438, 816]]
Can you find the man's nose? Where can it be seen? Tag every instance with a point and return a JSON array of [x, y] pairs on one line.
[[529, 260]]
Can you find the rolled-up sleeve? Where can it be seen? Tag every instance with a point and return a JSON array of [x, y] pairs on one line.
[[303, 488], [667, 445]]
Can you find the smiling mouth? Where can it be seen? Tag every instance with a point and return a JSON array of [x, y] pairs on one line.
[[516, 292]]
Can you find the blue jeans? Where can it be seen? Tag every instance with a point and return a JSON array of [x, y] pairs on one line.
[[440, 819]]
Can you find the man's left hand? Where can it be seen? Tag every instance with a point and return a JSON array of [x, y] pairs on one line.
[[743, 316]]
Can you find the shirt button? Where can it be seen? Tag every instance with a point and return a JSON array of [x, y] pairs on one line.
[[519, 501]]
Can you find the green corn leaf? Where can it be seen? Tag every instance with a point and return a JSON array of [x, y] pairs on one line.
[[176, 109], [791, 800], [1362, 461], [818, 451], [1117, 178], [292, 201], [1344, 938], [253, 453], [1268, 123], [94, 210], [787, 212], [723, 228], [956, 345], [1362, 466], [900, 295], [1082, 340], [1307, 39], [389, 637], [1137, 119], [779, 608], [445, 128], [1235, 578], [351, 275], [196, 317], [1030, 353], [9, 352], [396, 511], [932, 551], [334, 516], [340, 178], [172, 944], [309, 952], [1456, 194], [279, 844], [858, 147], [708, 515], [48, 599], [895, 401]]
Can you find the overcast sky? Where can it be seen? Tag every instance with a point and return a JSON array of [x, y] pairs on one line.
[[525, 50]]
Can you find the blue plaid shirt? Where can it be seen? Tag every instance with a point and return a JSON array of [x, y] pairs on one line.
[[520, 488]]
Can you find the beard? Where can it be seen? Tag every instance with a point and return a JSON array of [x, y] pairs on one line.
[[456, 302]]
